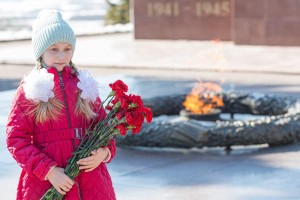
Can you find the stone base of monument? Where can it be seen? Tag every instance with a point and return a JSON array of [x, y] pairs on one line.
[[279, 123]]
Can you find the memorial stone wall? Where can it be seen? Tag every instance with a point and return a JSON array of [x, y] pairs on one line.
[[257, 22], [266, 22], [182, 19]]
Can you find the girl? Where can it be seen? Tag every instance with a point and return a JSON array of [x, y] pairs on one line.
[[54, 105]]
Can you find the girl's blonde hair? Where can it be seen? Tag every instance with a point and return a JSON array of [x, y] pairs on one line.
[[52, 109]]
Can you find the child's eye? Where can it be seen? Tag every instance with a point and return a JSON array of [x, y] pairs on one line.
[[68, 49], [54, 49]]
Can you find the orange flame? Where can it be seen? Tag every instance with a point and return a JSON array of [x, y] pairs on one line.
[[216, 41], [203, 99]]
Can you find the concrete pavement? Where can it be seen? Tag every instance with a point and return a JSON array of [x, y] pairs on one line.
[[164, 67], [122, 51]]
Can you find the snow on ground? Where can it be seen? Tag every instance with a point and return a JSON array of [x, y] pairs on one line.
[[9, 170], [85, 17]]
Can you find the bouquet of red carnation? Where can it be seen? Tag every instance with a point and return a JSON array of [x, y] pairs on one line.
[[124, 112]]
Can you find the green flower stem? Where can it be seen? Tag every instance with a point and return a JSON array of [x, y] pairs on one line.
[[104, 123], [103, 102]]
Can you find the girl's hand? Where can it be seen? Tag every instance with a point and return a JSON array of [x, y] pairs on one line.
[[60, 181], [97, 156]]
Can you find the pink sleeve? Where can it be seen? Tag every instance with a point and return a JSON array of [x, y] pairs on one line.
[[101, 114], [19, 132], [112, 149]]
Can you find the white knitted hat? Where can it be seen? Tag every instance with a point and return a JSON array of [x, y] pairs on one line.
[[49, 28]]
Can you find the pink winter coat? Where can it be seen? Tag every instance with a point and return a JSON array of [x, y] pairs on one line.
[[39, 146]]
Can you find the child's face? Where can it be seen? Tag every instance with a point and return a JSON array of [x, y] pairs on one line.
[[58, 55]]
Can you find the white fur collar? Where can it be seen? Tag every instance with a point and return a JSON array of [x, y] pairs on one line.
[[88, 85], [38, 85]]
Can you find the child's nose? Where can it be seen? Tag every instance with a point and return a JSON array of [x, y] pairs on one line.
[[61, 54]]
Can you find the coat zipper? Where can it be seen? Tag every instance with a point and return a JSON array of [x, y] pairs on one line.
[[69, 122], [65, 99]]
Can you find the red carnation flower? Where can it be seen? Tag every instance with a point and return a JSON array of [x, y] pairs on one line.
[[137, 100], [108, 108], [118, 86], [136, 130], [148, 113], [122, 129]]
